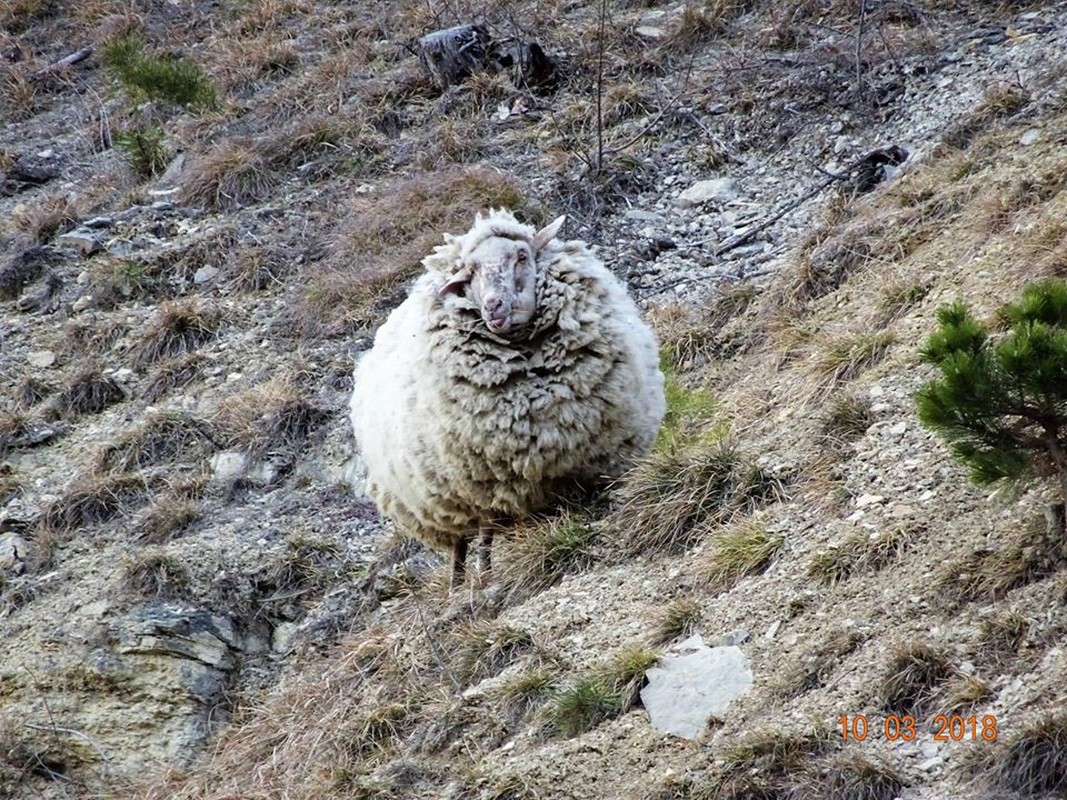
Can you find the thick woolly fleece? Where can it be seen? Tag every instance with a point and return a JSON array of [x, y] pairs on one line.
[[458, 426]]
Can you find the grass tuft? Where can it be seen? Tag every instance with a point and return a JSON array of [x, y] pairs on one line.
[[680, 619], [743, 550], [165, 519], [850, 776], [815, 667], [765, 763], [539, 555], [144, 149], [609, 690], [914, 673], [1033, 761], [847, 358], [179, 327], [161, 437], [861, 553], [669, 499], [272, 417], [155, 574], [90, 501], [89, 393], [482, 649]]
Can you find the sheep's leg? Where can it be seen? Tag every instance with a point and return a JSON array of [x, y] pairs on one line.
[[485, 549], [459, 563]]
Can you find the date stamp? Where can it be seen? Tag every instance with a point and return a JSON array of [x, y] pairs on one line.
[[906, 728]]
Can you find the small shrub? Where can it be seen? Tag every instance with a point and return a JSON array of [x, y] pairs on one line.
[[1000, 637], [1002, 406], [144, 148], [914, 673], [745, 549], [1033, 761], [179, 81]]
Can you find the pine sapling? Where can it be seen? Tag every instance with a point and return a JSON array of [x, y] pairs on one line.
[[1002, 402]]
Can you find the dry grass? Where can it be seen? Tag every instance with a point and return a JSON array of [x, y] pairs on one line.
[[846, 358], [165, 519], [964, 694], [540, 554], [156, 574], [179, 327], [1031, 554], [675, 497], [1032, 762], [483, 648], [94, 500], [741, 551], [850, 776], [766, 763], [913, 677], [171, 374], [384, 237], [90, 392], [273, 417], [814, 668], [46, 217], [161, 437], [679, 619], [862, 553]]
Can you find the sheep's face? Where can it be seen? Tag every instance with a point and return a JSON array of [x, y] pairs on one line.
[[502, 275]]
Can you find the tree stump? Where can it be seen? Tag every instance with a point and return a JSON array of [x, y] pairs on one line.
[[453, 54]]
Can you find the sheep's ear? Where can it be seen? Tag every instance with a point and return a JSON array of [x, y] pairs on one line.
[[547, 233], [455, 284]]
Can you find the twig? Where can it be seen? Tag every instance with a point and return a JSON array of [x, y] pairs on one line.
[[66, 61], [53, 728], [740, 239], [600, 88], [859, 52]]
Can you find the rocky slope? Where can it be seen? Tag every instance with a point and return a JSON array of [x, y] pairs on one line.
[[196, 602]]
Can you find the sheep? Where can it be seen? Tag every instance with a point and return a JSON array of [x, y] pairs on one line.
[[517, 368]]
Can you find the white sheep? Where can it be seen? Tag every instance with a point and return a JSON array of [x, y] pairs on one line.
[[518, 367]]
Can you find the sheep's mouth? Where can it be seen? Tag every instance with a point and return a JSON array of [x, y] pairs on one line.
[[498, 323]]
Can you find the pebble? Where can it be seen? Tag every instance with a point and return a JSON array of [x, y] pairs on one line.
[[41, 358]]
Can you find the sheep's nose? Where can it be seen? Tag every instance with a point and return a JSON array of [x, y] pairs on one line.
[[493, 304]]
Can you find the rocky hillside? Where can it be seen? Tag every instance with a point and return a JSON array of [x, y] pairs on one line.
[[207, 208]]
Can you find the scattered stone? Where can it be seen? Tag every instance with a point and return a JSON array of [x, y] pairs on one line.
[[80, 239], [719, 190], [650, 32], [865, 500], [99, 222], [42, 359], [205, 274], [184, 633], [14, 552], [81, 303], [692, 684], [229, 466]]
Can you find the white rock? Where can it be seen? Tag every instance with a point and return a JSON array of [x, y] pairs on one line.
[[41, 358], [688, 689], [721, 190], [205, 274], [229, 465]]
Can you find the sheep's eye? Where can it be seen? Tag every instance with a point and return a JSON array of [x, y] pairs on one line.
[[521, 257]]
